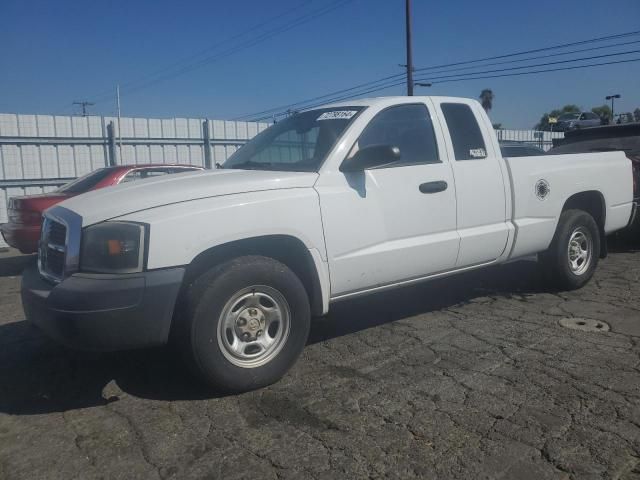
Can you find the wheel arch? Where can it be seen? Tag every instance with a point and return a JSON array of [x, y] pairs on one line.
[[592, 202], [286, 249]]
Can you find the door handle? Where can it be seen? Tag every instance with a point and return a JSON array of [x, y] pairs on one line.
[[433, 187]]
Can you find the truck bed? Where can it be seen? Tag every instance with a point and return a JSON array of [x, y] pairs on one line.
[[541, 185]]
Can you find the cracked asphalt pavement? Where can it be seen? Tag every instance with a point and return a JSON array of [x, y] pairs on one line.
[[466, 377]]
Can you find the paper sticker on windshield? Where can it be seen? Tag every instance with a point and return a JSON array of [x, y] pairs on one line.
[[337, 115], [477, 153]]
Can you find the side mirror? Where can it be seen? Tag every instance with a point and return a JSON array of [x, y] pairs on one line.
[[371, 157]]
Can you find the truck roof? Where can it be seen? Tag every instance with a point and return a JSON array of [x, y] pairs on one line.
[[384, 101]]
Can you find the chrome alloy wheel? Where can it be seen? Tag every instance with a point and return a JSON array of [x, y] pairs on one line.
[[254, 326], [580, 250]]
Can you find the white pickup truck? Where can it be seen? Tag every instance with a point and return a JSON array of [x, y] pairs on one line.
[[339, 201]]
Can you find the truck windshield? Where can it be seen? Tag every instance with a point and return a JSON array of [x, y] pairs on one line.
[[299, 143], [568, 116]]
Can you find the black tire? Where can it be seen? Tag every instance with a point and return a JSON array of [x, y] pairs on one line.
[[199, 332], [556, 262]]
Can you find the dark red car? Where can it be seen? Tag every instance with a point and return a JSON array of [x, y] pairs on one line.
[[25, 213]]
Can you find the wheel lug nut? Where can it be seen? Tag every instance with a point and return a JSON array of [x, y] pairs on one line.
[[259, 333], [242, 322], [246, 336], [252, 312]]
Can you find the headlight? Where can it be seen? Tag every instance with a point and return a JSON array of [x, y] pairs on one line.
[[113, 247]]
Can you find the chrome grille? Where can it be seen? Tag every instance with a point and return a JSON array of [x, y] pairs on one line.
[[52, 249], [57, 233]]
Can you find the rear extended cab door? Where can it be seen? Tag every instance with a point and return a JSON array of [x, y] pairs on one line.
[[482, 182]]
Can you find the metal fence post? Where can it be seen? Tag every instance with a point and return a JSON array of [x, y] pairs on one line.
[[207, 144], [105, 146], [111, 141]]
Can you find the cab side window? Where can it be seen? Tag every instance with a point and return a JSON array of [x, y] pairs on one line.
[[407, 127], [464, 130]]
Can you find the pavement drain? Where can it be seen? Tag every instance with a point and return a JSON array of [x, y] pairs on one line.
[[585, 324]]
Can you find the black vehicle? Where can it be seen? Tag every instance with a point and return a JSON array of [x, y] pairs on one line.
[[625, 137]]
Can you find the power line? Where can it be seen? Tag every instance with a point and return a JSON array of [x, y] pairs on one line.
[[300, 20], [465, 77], [107, 94], [394, 83], [439, 79], [209, 48], [292, 105], [505, 62], [329, 97], [535, 65], [263, 114], [225, 41], [514, 74], [535, 50]]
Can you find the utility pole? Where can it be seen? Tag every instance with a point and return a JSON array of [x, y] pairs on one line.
[[409, 52], [612, 98], [84, 105]]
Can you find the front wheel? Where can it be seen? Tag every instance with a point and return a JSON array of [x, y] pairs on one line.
[[573, 254], [246, 323]]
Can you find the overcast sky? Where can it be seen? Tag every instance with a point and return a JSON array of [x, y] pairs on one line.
[[55, 52]]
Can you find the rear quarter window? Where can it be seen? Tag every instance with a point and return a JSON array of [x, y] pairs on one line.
[[464, 130]]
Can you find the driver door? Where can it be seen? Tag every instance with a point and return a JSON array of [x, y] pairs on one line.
[[396, 222]]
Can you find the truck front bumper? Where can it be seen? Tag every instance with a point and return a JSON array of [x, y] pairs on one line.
[[103, 312]]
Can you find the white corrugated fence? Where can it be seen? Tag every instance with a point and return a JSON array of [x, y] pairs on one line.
[[38, 153]]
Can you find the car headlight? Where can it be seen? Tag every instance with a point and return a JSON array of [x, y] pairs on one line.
[[113, 247]]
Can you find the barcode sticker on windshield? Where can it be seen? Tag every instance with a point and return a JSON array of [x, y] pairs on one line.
[[477, 153], [337, 115]]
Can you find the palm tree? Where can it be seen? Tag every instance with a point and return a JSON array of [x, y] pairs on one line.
[[486, 99]]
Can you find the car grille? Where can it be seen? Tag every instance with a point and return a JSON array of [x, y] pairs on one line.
[[57, 233], [52, 250]]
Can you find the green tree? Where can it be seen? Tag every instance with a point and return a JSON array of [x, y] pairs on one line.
[[486, 99], [604, 112], [636, 114], [544, 124]]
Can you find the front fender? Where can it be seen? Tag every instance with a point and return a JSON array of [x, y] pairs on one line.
[[181, 231]]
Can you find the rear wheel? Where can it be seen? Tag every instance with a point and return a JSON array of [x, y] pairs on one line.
[[246, 323], [572, 257]]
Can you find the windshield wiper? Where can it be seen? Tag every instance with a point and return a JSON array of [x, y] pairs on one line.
[[251, 165], [271, 166]]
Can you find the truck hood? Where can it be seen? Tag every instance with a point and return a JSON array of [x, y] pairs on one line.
[[108, 203]]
